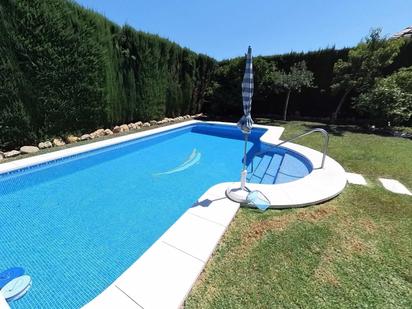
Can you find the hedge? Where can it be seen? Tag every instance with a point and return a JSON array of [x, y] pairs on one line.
[[317, 102], [65, 69]]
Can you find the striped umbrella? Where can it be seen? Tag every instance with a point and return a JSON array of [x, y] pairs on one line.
[[246, 123]]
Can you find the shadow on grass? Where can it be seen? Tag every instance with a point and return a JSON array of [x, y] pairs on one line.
[[339, 130]]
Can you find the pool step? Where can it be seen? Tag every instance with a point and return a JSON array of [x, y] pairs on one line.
[[266, 169]]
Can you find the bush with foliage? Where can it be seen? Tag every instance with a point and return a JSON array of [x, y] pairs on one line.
[[366, 62], [390, 99], [298, 78]]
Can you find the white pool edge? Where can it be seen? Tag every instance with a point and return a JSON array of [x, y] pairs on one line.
[[164, 275], [67, 152]]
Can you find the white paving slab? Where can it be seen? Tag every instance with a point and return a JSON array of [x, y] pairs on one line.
[[112, 297], [215, 207], [161, 278], [394, 186], [194, 235], [356, 179]]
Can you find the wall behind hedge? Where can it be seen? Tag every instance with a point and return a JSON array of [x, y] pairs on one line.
[[65, 69]]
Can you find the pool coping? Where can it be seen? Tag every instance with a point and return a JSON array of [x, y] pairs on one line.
[[164, 275]]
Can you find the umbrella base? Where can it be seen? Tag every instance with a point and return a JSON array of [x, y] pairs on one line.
[[236, 193]]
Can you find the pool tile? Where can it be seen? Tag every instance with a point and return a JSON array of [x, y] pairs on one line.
[[394, 186], [194, 235], [161, 278]]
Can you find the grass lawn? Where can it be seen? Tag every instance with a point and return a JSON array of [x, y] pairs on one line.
[[353, 251]]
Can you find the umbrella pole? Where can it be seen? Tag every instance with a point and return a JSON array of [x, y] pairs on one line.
[[244, 152], [244, 170]]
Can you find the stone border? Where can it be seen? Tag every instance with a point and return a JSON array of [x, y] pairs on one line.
[[164, 275], [67, 152], [72, 139]]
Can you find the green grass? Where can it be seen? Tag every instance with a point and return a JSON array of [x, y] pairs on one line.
[[353, 251]]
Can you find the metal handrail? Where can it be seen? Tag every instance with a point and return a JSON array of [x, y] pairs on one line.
[[325, 143]]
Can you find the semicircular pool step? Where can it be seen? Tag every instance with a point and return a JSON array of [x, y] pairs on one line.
[[273, 167]]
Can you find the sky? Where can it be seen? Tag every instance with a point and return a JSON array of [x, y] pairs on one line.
[[224, 28]]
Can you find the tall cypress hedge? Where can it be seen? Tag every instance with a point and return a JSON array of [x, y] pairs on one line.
[[66, 69]]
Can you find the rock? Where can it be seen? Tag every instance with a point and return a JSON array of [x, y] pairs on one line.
[[58, 142], [117, 129], [85, 137], [12, 153], [186, 116], [100, 132], [146, 125], [153, 122], [108, 132], [44, 145], [28, 149], [139, 124], [97, 133], [131, 126], [1, 155], [71, 139], [124, 128]]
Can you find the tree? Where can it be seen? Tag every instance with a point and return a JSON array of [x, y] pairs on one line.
[[296, 79], [364, 64], [390, 100]]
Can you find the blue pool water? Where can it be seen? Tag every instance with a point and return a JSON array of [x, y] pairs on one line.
[[76, 224]]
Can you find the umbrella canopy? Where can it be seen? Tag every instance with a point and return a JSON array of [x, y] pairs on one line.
[[245, 123]]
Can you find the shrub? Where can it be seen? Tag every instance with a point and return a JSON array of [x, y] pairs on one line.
[[390, 100]]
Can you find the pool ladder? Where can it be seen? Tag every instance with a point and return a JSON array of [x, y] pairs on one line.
[[325, 144]]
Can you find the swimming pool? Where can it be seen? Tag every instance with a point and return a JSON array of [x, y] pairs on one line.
[[77, 223]]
